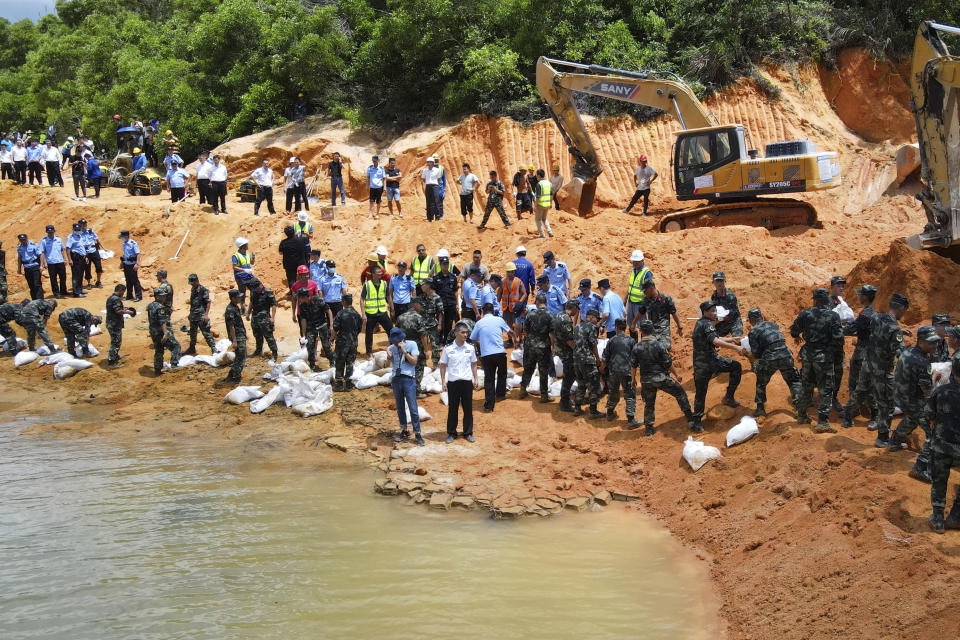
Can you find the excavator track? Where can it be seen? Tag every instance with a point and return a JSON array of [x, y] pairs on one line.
[[769, 213]]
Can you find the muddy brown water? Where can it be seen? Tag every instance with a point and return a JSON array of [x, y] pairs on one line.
[[167, 539]]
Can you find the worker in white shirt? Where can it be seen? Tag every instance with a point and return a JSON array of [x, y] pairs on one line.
[[218, 185], [430, 177], [204, 167], [177, 181], [52, 159], [263, 176], [291, 177], [18, 154], [557, 181]]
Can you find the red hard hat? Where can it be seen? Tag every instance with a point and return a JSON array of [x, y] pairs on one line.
[[643, 158], [302, 269], [116, 116]]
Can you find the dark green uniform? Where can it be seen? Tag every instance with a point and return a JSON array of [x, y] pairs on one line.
[[732, 325], [158, 317], [415, 326], [943, 408], [114, 322], [658, 310], [3, 276], [537, 349], [347, 325], [314, 312], [432, 310], [9, 312], [653, 362], [75, 324], [563, 335], [876, 373], [33, 318], [261, 304], [821, 331], [942, 352], [199, 299], [772, 354], [588, 375], [617, 356], [167, 289], [233, 318], [912, 381], [860, 328], [707, 364]]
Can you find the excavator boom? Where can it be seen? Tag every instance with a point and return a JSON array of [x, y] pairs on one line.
[[935, 93]]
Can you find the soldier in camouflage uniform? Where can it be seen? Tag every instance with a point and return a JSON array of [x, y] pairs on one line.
[[433, 316], [876, 377], [821, 331], [199, 315], [537, 347], [652, 360], [158, 317], [943, 409], [3, 275], [732, 324], [114, 322], [769, 348], [941, 322], [9, 312], [707, 363], [658, 308], [346, 327], [912, 381], [860, 328], [263, 312], [75, 324], [34, 318], [587, 364], [563, 340], [166, 288], [237, 332], [415, 326], [953, 341], [617, 357], [315, 321]]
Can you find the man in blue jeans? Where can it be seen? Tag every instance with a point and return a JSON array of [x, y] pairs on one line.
[[335, 173], [402, 354]]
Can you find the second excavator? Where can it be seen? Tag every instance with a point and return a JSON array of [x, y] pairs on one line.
[[711, 161]]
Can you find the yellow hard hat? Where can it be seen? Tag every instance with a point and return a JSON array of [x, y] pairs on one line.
[[373, 257], [299, 95], [136, 149], [531, 168], [510, 267], [169, 133]]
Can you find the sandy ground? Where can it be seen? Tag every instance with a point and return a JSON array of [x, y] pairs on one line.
[[804, 535]]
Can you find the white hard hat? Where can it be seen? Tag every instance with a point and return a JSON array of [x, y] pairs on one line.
[[292, 159], [522, 249], [443, 253], [241, 241], [431, 159], [302, 216], [70, 138], [636, 256], [381, 250]]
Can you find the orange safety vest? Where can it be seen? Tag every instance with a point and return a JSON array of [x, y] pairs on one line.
[[510, 297]]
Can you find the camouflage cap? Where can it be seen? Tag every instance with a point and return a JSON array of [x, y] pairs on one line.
[[541, 298], [162, 273], [719, 275], [416, 300], [571, 304], [193, 278], [754, 314], [646, 326], [837, 280], [899, 300], [593, 312], [706, 305], [428, 282], [926, 333], [821, 294], [234, 293], [954, 332], [866, 290], [941, 318]]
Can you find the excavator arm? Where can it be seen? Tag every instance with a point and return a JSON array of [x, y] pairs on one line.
[[557, 89], [935, 92]]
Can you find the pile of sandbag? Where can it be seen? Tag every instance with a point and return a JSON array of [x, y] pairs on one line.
[[219, 358], [307, 394], [69, 368]]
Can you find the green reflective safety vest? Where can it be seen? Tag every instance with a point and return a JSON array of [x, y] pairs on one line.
[[635, 290], [422, 269], [546, 192], [374, 298]]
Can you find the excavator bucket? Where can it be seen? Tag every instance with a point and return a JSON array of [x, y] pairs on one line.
[[588, 190]]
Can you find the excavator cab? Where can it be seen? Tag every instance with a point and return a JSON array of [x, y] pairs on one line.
[[699, 154]]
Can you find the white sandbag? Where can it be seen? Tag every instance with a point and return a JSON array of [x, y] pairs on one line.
[[221, 345], [380, 359], [722, 312], [95, 330], [60, 356], [554, 389], [21, 344], [321, 401], [241, 395], [90, 348], [424, 415], [367, 381], [222, 358], [513, 379], [299, 354], [743, 431], [385, 379], [105, 254], [78, 364], [323, 376], [745, 343], [62, 371], [558, 366], [204, 359], [844, 311], [300, 366], [25, 357], [517, 355], [186, 361], [941, 373], [698, 454], [43, 350], [432, 386], [274, 395], [444, 398]]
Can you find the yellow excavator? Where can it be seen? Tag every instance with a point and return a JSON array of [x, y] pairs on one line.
[[711, 161], [935, 94]]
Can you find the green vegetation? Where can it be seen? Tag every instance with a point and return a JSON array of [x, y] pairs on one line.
[[215, 69]]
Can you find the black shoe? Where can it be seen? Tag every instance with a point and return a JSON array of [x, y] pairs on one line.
[[730, 401], [936, 521], [594, 413], [759, 412], [138, 299], [921, 472], [633, 423], [419, 440], [611, 415], [577, 411], [98, 285], [953, 519], [275, 355], [487, 409], [400, 437], [649, 431], [565, 407], [522, 394], [824, 427], [894, 443], [881, 442], [838, 407], [695, 426], [450, 439], [192, 351], [803, 419], [545, 398], [258, 352]]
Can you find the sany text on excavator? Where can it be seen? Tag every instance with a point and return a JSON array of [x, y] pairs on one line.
[[935, 94], [711, 161]]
